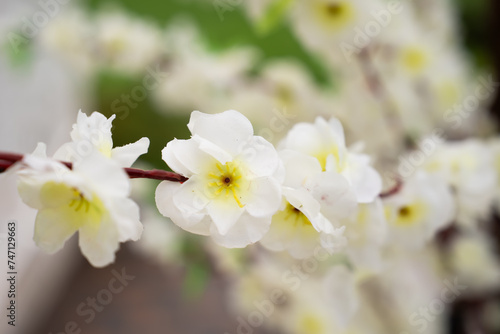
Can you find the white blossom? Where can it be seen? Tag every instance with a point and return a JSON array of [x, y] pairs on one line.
[[233, 188], [93, 133], [313, 201], [468, 167], [325, 141], [419, 210], [92, 199]]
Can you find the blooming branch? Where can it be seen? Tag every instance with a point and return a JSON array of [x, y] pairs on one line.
[[9, 159]]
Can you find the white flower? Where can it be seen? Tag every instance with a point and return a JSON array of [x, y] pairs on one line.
[[341, 291], [468, 167], [495, 149], [366, 233], [127, 44], [325, 141], [324, 24], [70, 36], [419, 210], [232, 191], [309, 317], [472, 257], [260, 280], [313, 203], [91, 199], [92, 133], [325, 305], [209, 78]]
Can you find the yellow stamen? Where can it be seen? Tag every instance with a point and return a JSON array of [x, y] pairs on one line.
[[227, 179]]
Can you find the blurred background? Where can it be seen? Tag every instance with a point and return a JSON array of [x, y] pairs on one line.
[[391, 74]]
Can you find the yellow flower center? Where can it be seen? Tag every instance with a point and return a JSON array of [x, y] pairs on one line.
[[284, 95], [448, 93], [323, 154], [227, 181], [334, 15], [295, 216], [116, 45], [411, 214], [311, 324], [72, 205], [414, 59]]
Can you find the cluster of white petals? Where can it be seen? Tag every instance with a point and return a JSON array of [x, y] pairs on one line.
[[240, 189], [93, 133], [286, 171], [234, 180], [91, 198]]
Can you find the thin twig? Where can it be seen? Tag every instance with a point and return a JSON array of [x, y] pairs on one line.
[[9, 159]]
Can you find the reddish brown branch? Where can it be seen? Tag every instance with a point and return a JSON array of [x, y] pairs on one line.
[[8, 159], [393, 191]]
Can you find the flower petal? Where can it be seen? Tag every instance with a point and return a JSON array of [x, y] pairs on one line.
[[305, 202], [125, 214], [228, 130], [299, 168], [99, 247], [185, 157], [212, 149], [260, 157], [224, 214], [245, 231], [52, 230], [104, 174], [190, 199], [303, 137], [266, 197], [300, 240], [334, 194], [166, 206], [128, 154], [365, 180]]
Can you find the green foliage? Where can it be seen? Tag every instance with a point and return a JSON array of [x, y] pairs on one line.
[[273, 16], [19, 50], [198, 270]]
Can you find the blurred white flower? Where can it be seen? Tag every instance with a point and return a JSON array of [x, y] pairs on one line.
[[211, 78], [325, 141], [70, 36], [312, 199], [419, 210], [325, 304], [323, 24], [233, 188], [93, 133], [495, 149], [472, 258], [262, 285], [126, 44], [366, 234], [340, 283], [92, 199], [468, 167]]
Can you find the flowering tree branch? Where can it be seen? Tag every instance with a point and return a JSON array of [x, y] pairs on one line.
[[393, 191], [9, 159]]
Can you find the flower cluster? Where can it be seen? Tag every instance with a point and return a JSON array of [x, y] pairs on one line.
[[313, 191], [92, 197], [240, 187], [406, 213]]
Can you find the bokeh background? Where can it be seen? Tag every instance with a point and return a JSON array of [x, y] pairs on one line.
[[227, 54]]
